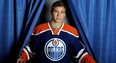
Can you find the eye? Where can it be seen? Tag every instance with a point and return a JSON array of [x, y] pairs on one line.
[[62, 11], [55, 11]]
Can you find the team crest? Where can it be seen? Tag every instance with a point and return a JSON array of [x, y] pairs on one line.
[[55, 49]]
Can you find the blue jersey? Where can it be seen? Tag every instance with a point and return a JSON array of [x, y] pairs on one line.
[[50, 46]]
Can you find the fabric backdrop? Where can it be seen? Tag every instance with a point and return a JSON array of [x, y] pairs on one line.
[[96, 21], [17, 20]]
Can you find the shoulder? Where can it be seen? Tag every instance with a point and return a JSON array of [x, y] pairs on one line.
[[41, 27], [70, 29]]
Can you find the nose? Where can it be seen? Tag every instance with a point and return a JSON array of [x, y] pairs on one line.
[[59, 14]]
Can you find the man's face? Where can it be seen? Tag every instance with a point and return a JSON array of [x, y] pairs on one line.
[[58, 14]]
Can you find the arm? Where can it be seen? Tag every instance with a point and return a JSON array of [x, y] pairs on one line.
[[81, 55], [87, 59], [28, 51], [84, 57], [26, 54]]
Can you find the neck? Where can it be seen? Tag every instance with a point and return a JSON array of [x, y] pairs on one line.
[[56, 25]]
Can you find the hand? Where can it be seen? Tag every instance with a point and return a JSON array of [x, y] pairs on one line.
[[20, 60]]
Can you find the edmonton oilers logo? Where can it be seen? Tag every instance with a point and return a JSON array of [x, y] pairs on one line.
[[55, 49]]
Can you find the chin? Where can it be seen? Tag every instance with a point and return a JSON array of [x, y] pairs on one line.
[[58, 21]]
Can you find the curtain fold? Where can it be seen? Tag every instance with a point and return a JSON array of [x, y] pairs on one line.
[[95, 20], [79, 15], [17, 20]]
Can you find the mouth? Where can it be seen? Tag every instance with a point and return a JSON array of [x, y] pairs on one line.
[[58, 18]]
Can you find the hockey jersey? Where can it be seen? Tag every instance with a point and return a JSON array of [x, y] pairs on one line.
[[48, 45]]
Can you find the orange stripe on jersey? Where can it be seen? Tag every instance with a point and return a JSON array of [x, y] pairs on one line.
[[40, 28], [88, 59], [24, 56], [70, 29], [55, 31]]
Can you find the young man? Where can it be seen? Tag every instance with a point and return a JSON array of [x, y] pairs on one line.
[[55, 42]]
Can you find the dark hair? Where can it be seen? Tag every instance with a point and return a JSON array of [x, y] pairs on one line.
[[57, 4]]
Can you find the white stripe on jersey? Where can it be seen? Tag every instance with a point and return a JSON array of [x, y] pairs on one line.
[[26, 53], [82, 56], [70, 33], [79, 53]]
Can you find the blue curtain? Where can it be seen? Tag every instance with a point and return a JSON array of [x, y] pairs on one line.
[[96, 21], [17, 20]]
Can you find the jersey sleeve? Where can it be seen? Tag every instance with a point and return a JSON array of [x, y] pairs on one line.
[[30, 49], [80, 55]]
